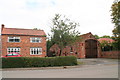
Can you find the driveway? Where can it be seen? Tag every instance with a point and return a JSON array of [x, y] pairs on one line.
[[98, 61], [92, 68]]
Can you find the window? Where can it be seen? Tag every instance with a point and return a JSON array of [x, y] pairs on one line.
[[71, 50], [17, 50], [35, 51], [13, 39], [35, 40]]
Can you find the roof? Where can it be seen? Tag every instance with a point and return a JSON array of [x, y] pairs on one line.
[[106, 39], [87, 36], [17, 31]]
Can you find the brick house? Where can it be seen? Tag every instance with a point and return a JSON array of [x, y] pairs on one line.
[[26, 42], [87, 47]]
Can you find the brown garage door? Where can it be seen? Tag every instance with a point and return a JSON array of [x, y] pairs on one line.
[[91, 48]]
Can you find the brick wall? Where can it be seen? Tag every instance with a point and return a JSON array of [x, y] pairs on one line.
[[78, 49], [110, 54], [24, 45], [66, 51]]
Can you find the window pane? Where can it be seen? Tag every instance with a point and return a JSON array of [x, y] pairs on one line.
[[17, 40], [9, 50], [17, 37], [11, 37], [14, 39], [35, 39], [35, 51], [11, 40], [9, 55], [31, 52], [15, 54]]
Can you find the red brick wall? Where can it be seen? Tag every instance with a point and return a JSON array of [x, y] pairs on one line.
[[66, 51], [110, 54], [24, 45], [79, 47]]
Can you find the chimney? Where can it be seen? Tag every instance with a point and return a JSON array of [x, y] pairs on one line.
[[89, 32], [2, 26]]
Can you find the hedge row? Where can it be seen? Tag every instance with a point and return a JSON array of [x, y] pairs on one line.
[[21, 62]]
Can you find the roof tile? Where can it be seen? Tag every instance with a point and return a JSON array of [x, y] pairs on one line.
[[17, 31]]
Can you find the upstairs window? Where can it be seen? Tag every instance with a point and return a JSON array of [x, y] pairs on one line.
[[13, 39], [35, 40]]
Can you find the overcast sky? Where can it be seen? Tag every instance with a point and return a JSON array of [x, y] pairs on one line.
[[92, 15]]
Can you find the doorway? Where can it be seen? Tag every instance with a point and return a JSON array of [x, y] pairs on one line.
[[91, 48]]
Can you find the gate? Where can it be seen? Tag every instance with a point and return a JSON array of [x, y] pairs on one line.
[[91, 48]]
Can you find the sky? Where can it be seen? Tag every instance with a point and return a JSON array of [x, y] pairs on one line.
[[92, 15]]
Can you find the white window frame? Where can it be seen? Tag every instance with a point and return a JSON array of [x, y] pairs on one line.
[[35, 51], [13, 38], [36, 40], [13, 49]]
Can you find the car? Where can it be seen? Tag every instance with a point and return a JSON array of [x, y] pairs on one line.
[[12, 54]]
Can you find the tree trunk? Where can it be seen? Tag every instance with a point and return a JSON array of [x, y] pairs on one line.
[[60, 52]]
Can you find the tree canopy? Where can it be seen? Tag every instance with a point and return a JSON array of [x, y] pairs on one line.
[[105, 36], [64, 32], [96, 36], [115, 9]]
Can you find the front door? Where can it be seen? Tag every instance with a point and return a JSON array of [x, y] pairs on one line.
[[91, 48]]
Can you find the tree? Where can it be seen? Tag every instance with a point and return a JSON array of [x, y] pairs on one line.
[[96, 36], [106, 46], [49, 44], [115, 9], [105, 36], [63, 32]]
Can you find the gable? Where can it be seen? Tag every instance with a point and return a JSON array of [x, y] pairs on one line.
[[87, 36]]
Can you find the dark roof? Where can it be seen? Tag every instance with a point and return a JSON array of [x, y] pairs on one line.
[[17, 31]]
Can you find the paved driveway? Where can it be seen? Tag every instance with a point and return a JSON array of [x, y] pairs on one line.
[[92, 68], [98, 61]]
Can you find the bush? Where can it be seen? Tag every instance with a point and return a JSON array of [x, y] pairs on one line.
[[21, 62]]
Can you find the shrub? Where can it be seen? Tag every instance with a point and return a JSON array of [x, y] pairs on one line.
[[13, 62], [21, 62]]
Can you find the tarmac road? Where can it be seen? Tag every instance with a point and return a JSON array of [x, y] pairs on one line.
[[93, 68]]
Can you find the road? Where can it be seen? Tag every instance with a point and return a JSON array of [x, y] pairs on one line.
[[93, 68]]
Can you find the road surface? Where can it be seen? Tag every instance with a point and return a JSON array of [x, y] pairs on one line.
[[93, 68]]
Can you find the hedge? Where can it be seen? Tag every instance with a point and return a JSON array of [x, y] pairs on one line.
[[22, 62]]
